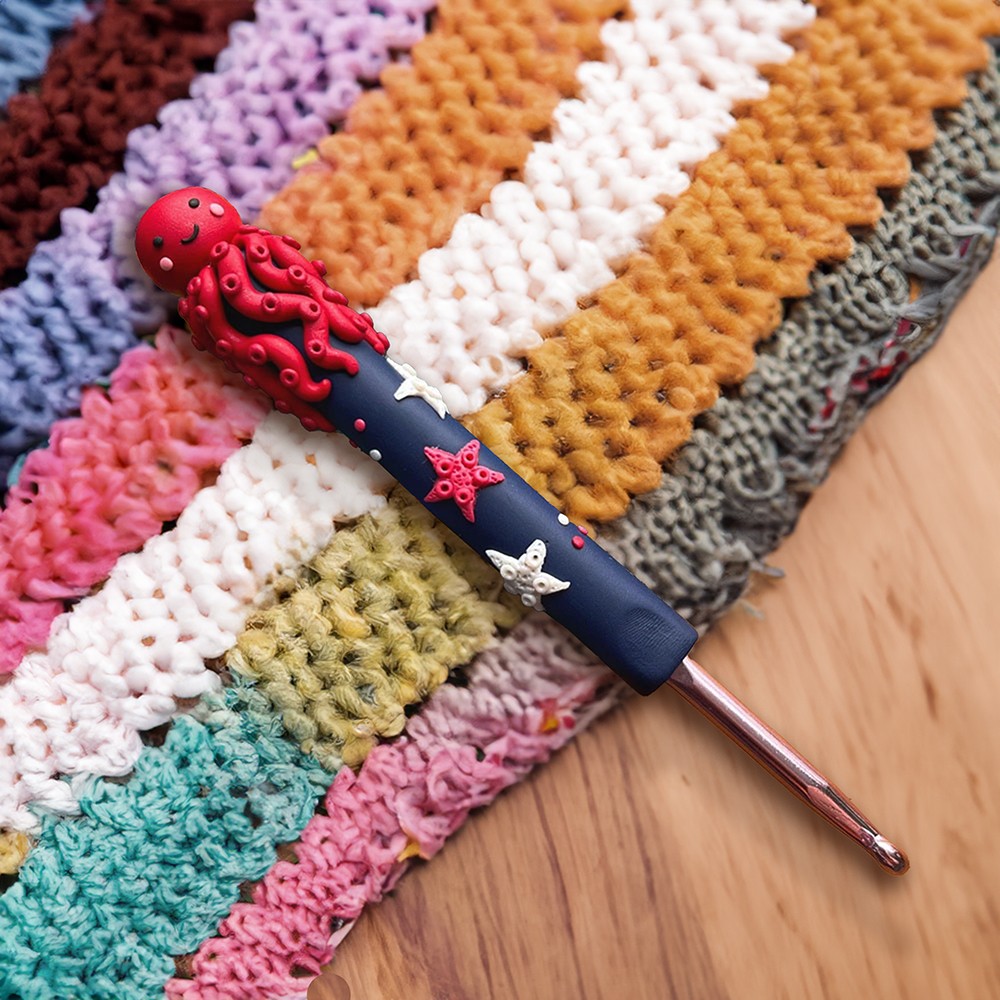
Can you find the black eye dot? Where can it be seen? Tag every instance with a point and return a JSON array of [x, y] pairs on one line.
[[157, 242], [193, 202]]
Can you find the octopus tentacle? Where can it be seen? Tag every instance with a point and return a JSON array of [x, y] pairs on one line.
[[265, 279]]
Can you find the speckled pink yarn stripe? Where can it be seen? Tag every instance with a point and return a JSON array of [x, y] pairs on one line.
[[525, 698], [109, 479]]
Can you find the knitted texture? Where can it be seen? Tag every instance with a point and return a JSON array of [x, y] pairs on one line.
[[132, 656], [278, 87], [27, 29], [373, 625], [615, 388], [14, 849], [180, 602], [647, 114], [735, 490], [110, 479], [126, 658], [109, 76], [524, 700], [437, 136], [729, 495], [240, 788]]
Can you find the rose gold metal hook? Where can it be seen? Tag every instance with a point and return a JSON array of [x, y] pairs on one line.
[[766, 747]]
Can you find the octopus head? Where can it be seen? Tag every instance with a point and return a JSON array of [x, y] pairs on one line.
[[177, 232]]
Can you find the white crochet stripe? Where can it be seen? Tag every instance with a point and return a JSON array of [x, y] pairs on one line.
[[647, 115], [118, 663]]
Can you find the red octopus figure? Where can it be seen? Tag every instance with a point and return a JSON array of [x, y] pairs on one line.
[[193, 243]]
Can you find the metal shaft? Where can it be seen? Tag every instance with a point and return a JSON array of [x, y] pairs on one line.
[[766, 747]]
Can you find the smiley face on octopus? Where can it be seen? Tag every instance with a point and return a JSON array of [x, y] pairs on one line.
[[176, 234]]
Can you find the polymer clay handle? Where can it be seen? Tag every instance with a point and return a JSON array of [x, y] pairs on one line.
[[256, 303]]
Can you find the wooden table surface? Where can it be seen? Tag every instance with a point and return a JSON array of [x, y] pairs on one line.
[[651, 860]]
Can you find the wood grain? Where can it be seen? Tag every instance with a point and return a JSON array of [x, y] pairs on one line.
[[651, 860]]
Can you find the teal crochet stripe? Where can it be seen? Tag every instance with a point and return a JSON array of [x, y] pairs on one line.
[[156, 860]]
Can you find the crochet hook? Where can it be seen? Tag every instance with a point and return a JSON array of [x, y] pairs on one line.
[[255, 302]]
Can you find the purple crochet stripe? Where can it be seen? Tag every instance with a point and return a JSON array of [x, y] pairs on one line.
[[275, 91]]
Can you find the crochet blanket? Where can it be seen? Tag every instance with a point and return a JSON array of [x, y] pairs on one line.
[[661, 256]]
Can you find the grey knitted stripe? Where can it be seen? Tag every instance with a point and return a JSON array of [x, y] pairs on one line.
[[737, 487]]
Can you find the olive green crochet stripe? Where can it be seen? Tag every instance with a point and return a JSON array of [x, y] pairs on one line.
[[372, 624]]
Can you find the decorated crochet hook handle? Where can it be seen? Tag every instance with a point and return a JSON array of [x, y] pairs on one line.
[[256, 303]]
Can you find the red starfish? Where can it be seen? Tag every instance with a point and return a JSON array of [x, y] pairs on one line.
[[460, 476]]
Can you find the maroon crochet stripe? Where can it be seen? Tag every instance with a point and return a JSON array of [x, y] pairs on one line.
[[59, 145]]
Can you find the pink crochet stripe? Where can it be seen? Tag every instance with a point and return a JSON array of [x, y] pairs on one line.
[[110, 478], [526, 697]]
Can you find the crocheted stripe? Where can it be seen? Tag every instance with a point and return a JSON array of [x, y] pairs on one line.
[[110, 76], [277, 88], [736, 488], [525, 699], [154, 860], [27, 30], [182, 600], [759, 453], [438, 135], [123, 658], [110, 479], [612, 391], [373, 624], [646, 115]]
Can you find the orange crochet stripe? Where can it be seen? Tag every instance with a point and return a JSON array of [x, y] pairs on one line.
[[611, 393], [437, 137]]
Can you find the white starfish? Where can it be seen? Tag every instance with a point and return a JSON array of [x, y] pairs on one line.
[[414, 385], [523, 576]]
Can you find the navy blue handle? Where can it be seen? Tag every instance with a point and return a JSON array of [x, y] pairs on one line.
[[623, 622]]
